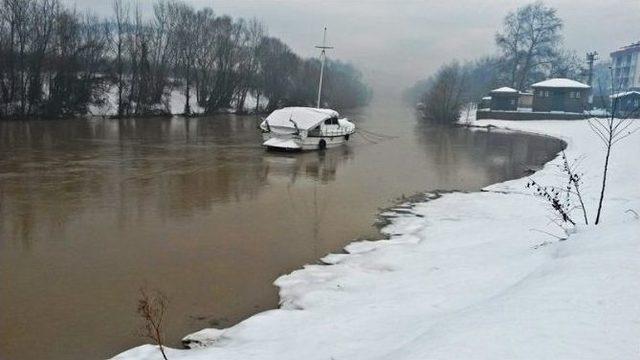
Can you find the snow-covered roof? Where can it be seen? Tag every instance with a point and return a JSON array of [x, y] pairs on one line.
[[305, 118], [561, 83], [504, 89], [625, 93], [486, 98]]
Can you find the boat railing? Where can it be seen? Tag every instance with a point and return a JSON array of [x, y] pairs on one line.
[[322, 133], [337, 132]]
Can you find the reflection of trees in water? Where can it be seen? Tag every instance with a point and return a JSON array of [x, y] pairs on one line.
[[510, 155], [42, 176], [461, 152], [52, 174]]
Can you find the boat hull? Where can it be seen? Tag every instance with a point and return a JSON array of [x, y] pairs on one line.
[[303, 144]]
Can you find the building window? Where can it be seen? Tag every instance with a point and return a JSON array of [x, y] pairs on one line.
[[577, 94], [571, 95], [546, 93]]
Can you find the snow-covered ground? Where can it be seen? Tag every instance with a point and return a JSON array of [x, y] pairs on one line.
[[467, 276], [177, 100]]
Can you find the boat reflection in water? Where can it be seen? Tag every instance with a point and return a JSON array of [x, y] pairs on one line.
[[316, 166]]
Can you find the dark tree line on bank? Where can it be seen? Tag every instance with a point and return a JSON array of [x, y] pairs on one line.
[[530, 49], [56, 62]]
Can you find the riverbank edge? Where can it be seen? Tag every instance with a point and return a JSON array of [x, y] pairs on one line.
[[297, 289], [136, 116]]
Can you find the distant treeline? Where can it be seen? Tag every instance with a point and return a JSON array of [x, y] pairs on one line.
[[56, 62], [530, 50]]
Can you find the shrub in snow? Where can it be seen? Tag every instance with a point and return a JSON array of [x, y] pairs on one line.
[[152, 307]]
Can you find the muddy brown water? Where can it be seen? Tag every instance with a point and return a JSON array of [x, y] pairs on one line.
[[91, 210]]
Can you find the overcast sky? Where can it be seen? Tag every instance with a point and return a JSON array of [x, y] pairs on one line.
[[409, 39]]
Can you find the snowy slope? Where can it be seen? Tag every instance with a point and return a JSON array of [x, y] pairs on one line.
[[466, 276], [177, 100]]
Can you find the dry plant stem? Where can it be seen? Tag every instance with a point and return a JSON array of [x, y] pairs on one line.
[[152, 308], [553, 198], [575, 180]]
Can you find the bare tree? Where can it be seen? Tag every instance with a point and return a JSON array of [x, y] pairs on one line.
[[162, 54], [276, 61], [529, 39], [248, 68], [27, 31], [509, 41], [185, 37], [121, 12], [50, 58], [565, 64], [204, 54], [74, 65], [611, 130], [139, 97], [443, 101], [152, 307], [56, 62], [228, 34]]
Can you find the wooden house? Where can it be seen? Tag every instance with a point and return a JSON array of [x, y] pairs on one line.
[[627, 103], [560, 95], [504, 99]]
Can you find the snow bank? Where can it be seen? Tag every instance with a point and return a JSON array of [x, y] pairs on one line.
[[468, 275], [177, 100]]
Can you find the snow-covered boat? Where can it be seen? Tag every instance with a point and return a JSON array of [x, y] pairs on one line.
[[305, 128]]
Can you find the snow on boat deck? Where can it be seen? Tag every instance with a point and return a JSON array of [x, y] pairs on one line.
[[472, 276]]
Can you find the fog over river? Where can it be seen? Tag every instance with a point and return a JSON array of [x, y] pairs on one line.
[[405, 40]]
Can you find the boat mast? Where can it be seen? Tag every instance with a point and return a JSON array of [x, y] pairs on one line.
[[323, 56]]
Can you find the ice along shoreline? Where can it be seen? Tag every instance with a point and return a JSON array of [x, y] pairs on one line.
[[463, 276]]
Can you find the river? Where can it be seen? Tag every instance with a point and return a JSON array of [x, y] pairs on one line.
[[92, 210]]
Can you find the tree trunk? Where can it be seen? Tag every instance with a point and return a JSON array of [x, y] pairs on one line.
[[604, 182], [187, 95], [120, 71]]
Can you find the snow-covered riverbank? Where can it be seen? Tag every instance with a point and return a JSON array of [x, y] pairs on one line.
[[175, 106], [468, 275]]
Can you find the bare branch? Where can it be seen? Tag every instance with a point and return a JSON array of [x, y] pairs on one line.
[[152, 306]]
